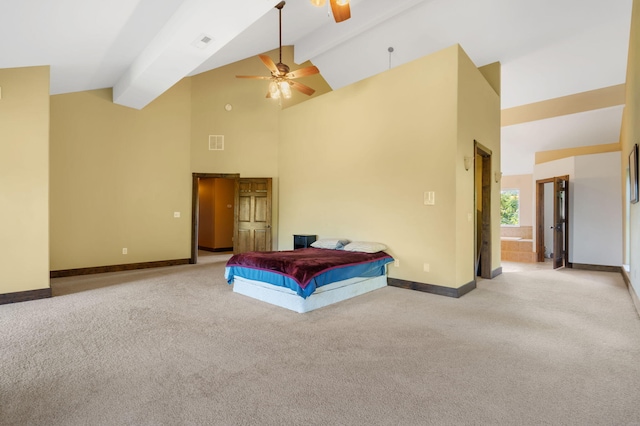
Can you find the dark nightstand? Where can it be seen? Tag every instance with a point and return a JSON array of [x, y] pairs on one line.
[[303, 241]]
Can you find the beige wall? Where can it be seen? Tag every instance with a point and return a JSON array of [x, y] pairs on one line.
[[24, 179], [356, 162], [631, 135], [525, 184], [117, 177], [579, 102], [478, 120], [251, 129]]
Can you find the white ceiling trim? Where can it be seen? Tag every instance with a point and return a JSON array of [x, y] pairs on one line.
[[171, 54]]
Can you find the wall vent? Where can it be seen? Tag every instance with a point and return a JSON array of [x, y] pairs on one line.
[[202, 41], [216, 142]]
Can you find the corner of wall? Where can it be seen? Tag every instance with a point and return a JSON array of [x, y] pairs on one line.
[[24, 172], [478, 120]]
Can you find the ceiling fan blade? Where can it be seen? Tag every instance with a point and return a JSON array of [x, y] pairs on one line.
[[302, 88], [270, 64], [257, 77], [340, 13], [303, 72]]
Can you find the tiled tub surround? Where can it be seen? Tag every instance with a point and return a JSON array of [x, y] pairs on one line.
[[517, 244]]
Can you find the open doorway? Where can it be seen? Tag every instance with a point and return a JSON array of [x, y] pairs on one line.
[[216, 198], [552, 221], [483, 211], [213, 211], [251, 206]]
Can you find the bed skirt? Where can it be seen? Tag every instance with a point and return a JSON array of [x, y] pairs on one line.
[[323, 296]]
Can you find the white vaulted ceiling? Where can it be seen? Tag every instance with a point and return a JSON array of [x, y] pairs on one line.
[[548, 48]]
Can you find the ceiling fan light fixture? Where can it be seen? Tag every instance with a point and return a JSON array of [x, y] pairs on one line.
[[274, 90], [318, 3], [285, 89]]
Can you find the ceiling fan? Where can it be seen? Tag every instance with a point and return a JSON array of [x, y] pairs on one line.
[[281, 76], [340, 8]]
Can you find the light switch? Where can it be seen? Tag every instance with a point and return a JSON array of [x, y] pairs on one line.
[[176, 214], [429, 198]]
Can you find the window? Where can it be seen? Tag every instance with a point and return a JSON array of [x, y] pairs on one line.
[[510, 207]]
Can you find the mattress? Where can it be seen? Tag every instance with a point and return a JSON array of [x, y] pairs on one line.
[[305, 270], [306, 279]]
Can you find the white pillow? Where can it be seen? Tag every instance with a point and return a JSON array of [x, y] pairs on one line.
[[365, 247], [330, 243]]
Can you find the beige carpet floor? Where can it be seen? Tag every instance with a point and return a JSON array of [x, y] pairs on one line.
[[175, 346]]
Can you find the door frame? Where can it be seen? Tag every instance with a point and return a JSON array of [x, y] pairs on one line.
[[195, 207], [486, 237], [540, 218]]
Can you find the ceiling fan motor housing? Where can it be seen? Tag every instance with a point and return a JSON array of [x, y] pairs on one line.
[[283, 68]]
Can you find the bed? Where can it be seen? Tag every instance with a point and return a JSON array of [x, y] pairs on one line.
[[306, 279]]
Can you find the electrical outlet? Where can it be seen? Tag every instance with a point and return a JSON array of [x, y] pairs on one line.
[[396, 263], [426, 267], [124, 250]]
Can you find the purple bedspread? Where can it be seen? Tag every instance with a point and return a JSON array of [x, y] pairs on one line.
[[303, 264]]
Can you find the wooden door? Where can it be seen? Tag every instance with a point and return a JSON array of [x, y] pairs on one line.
[[560, 221], [253, 215], [540, 222], [483, 207]]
